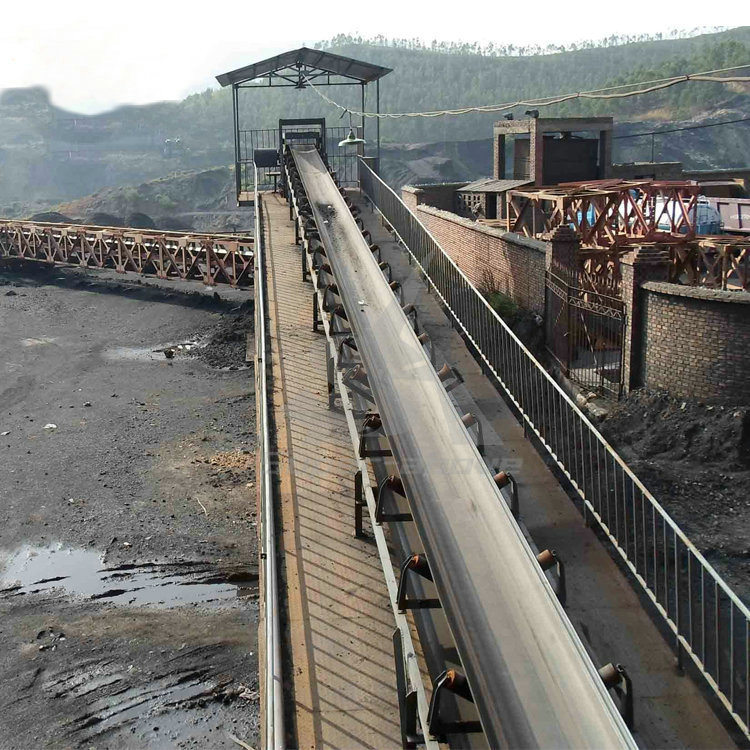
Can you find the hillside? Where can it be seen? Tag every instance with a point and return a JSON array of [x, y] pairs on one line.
[[202, 201], [49, 155]]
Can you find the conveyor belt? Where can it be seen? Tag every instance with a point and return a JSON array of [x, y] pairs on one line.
[[532, 681]]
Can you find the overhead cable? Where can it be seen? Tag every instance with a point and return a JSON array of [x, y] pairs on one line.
[[611, 92]]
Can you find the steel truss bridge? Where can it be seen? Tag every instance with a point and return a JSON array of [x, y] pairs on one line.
[[210, 258]]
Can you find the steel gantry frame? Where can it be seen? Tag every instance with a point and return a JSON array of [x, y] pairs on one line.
[[299, 69], [525, 668]]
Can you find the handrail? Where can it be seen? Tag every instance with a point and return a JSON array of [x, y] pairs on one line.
[[710, 623], [273, 688]]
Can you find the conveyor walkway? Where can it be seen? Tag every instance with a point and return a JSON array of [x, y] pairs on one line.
[[339, 621]]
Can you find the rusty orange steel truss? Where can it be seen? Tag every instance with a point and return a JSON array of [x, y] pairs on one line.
[[210, 258], [608, 213], [721, 262]]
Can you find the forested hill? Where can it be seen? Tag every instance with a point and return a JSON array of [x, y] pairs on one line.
[[48, 152], [423, 79], [451, 77]]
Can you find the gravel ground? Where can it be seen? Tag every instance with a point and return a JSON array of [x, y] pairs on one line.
[[695, 459], [128, 555]]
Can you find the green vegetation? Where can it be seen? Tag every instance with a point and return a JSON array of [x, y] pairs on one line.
[[504, 306]]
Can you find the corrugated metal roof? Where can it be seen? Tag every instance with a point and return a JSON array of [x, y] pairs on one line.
[[312, 58], [490, 185]]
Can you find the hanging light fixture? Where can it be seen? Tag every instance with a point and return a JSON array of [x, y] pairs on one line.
[[351, 139]]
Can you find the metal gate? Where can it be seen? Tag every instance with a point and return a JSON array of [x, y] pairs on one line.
[[585, 330]]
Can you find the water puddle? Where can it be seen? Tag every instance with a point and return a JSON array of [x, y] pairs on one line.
[[81, 572], [37, 342], [154, 353]]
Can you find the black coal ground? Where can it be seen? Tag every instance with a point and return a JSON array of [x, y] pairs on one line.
[[140, 500], [695, 459]]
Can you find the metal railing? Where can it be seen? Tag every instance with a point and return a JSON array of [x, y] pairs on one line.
[[709, 622], [272, 694]]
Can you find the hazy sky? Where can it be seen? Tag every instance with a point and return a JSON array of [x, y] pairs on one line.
[[95, 55]]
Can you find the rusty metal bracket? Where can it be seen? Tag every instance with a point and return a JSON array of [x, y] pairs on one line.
[[372, 430], [450, 681], [617, 680], [411, 314], [398, 291], [445, 373], [355, 380], [414, 564], [503, 479], [470, 421], [338, 312], [344, 362], [424, 339], [548, 559], [385, 267], [394, 485]]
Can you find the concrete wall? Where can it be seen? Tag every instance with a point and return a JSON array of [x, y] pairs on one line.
[[514, 264], [695, 342]]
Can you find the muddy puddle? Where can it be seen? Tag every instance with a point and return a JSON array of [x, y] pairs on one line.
[[151, 353], [83, 573]]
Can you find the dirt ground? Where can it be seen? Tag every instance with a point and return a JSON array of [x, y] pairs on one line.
[[695, 459], [128, 556]]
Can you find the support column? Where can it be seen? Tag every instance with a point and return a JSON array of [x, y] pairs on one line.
[[637, 267], [605, 154], [499, 160], [536, 153], [236, 120], [377, 119], [563, 245], [363, 115]]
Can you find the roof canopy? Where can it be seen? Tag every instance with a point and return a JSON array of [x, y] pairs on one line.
[[292, 68]]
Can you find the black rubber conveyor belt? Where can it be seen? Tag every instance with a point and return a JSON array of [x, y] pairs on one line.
[[531, 678]]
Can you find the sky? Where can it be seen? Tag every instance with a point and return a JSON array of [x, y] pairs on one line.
[[93, 55]]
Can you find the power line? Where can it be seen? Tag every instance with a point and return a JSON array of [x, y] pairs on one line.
[[650, 86], [680, 130]]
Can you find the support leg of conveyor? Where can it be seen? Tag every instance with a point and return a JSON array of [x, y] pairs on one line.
[[407, 699], [331, 368], [359, 504]]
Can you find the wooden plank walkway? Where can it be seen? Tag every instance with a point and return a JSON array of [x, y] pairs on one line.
[[339, 621]]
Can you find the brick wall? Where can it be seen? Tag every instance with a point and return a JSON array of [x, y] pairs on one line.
[[410, 196], [696, 342], [516, 264], [442, 195]]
